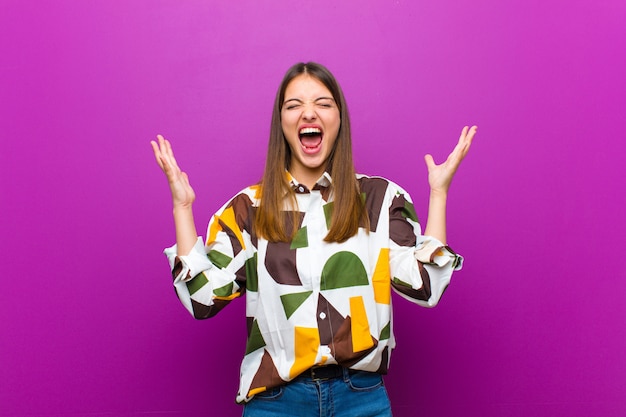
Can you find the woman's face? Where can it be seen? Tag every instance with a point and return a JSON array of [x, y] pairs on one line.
[[310, 121]]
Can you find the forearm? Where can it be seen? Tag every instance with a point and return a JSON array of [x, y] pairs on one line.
[[436, 224], [186, 234]]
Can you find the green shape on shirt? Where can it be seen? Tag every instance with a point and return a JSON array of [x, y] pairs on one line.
[[456, 262], [400, 282], [328, 213], [196, 283], [328, 210], [300, 240], [219, 259], [291, 302], [343, 269], [252, 279], [255, 340], [409, 212], [224, 291], [385, 333]]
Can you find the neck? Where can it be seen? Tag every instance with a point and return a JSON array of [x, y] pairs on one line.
[[308, 178]]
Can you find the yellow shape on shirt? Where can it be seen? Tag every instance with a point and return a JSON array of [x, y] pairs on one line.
[[381, 279], [255, 391], [257, 191], [360, 328], [306, 343], [214, 227], [228, 218], [227, 297]]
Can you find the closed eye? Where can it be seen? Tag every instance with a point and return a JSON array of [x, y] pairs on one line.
[[325, 102], [292, 104], [322, 102]]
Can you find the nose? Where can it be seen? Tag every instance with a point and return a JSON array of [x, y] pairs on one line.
[[308, 112]]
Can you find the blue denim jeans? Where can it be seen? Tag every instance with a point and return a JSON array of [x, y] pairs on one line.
[[355, 394]]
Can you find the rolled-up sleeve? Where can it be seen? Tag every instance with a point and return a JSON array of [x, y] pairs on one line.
[[185, 267], [421, 266], [211, 275]]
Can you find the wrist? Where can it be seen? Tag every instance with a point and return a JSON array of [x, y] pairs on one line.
[[438, 194], [182, 214], [182, 208]]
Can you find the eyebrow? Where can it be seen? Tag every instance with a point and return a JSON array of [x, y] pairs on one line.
[[301, 101]]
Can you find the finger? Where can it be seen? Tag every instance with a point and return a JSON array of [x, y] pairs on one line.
[[430, 162], [162, 146], [460, 150], [465, 140], [472, 133], [464, 136], [166, 155], [166, 159], [170, 154], [157, 153], [462, 147], [469, 137], [463, 133]]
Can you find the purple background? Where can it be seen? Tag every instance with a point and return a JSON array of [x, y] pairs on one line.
[[533, 324]]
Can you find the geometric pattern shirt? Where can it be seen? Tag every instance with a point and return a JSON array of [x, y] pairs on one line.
[[310, 302]]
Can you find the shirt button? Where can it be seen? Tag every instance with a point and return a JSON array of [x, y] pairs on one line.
[[301, 189], [322, 315]]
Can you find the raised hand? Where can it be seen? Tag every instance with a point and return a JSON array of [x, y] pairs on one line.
[[440, 176], [182, 194]]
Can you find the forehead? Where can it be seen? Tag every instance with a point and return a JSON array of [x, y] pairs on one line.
[[304, 86]]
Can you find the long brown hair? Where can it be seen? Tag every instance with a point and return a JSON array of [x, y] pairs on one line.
[[272, 221]]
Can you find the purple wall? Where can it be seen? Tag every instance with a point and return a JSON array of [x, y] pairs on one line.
[[532, 326]]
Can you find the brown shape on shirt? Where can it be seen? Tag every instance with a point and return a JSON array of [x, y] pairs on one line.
[[400, 230], [423, 293], [331, 321], [280, 261], [342, 349], [384, 361], [374, 190], [202, 311], [267, 374]]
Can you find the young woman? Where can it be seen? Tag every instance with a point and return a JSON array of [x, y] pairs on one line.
[[316, 248]]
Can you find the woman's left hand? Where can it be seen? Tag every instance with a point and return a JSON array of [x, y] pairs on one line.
[[440, 176]]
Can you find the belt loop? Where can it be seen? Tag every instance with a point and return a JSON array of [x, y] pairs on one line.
[[346, 374]]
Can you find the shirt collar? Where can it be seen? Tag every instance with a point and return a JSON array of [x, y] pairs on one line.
[[325, 181]]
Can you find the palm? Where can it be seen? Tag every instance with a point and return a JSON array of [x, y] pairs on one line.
[[182, 193], [440, 176]]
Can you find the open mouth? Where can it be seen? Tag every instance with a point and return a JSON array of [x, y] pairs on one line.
[[310, 138]]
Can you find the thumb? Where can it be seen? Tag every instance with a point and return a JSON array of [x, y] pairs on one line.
[[430, 162], [185, 177]]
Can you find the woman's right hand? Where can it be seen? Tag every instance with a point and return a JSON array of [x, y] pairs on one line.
[[183, 195]]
